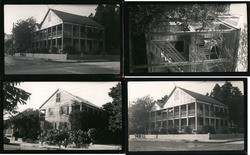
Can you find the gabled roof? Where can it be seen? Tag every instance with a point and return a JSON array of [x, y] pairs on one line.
[[72, 18], [201, 97], [79, 99]]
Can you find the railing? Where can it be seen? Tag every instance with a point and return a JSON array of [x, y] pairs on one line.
[[59, 46], [94, 35], [54, 34], [199, 112], [206, 113], [191, 112], [183, 113], [176, 114], [170, 115], [158, 118], [151, 118]]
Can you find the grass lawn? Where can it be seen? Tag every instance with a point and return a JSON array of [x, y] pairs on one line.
[[183, 146]]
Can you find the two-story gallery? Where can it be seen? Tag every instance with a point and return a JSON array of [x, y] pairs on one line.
[[186, 108], [59, 29]]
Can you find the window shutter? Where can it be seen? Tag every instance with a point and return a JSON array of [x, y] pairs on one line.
[[67, 110]]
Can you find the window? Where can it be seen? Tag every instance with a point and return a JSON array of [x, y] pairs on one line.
[[101, 31], [58, 97], [50, 111], [64, 110]]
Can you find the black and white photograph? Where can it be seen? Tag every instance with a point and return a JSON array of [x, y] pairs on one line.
[[186, 116], [50, 116], [187, 37], [62, 39]]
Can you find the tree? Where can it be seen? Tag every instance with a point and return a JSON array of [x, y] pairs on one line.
[[108, 15], [12, 96], [234, 99], [145, 16], [83, 120], [27, 122], [114, 108], [22, 33], [138, 115], [163, 99]]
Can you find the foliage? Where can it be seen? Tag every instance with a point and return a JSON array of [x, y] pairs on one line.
[[187, 130], [172, 130], [233, 98], [27, 123], [54, 50], [12, 96], [243, 48], [83, 120], [22, 32], [207, 129], [108, 15], [92, 133], [144, 16], [44, 50], [114, 109], [163, 100], [138, 115], [70, 50]]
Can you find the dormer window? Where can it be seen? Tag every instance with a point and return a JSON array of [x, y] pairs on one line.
[[58, 97]]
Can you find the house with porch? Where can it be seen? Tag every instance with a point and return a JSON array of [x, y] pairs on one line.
[[186, 108], [60, 29], [55, 111], [175, 47]]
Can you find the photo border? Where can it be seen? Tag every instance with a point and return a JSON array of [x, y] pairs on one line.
[[203, 152]]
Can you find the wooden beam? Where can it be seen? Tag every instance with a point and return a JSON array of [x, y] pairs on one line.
[[180, 63]]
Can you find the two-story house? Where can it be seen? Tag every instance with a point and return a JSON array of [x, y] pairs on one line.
[[61, 29], [186, 108], [172, 47], [55, 111]]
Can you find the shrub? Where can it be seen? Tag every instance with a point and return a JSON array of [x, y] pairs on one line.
[[173, 131], [92, 133], [207, 129], [54, 50], [44, 50], [70, 50], [187, 130]]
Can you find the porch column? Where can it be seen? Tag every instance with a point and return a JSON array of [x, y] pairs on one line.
[[179, 117], [56, 35], [86, 38], [79, 40], [204, 111], [173, 117], [149, 117], [167, 121], [70, 109], [209, 114], [62, 35], [47, 36], [187, 114], [196, 118], [155, 120], [72, 35], [51, 34], [80, 107], [103, 43], [161, 119]]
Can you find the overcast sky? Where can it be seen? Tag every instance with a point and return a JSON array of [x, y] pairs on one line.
[[13, 13], [94, 92], [159, 89]]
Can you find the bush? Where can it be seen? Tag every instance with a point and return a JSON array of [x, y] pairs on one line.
[[44, 50], [207, 129], [187, 130], [92, 133], [70, 50], [54, 50], [173, 131]]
